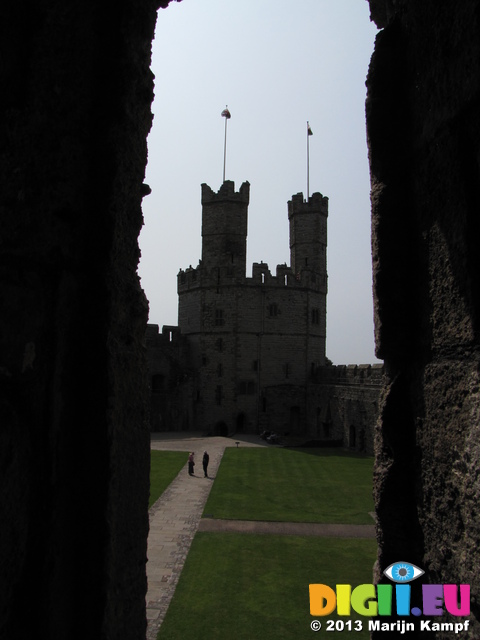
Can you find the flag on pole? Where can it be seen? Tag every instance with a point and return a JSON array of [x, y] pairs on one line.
[[226, 114], [309, 133]]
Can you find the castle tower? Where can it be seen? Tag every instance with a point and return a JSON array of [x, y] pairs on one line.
[[308, 233], [308, 260], [224, 230], [254, 342]]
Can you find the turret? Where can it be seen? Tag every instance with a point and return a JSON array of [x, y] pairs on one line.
[[224, 228], [308, 233]]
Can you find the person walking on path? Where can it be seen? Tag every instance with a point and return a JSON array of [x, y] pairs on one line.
[[205, 461], [191, 463]]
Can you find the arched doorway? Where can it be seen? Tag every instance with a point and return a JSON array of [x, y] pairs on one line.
[[352, 436], [294, 419], [221, 429], [240, 423]]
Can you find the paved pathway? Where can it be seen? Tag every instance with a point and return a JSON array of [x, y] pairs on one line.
[[289, 528], [176, 516]]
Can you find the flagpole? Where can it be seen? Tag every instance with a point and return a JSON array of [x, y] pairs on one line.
[[225, 114], [225, 149], [308, 162], [309, 133]]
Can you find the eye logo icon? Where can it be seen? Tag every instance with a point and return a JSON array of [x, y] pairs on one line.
[[403, 572]]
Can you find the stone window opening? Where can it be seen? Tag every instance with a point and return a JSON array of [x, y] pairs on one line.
[[219, 319], [219, 370], [317, 420], [352, 436], [315, 316], [218, 394], [157, 383], [246, 387], [273, 310]]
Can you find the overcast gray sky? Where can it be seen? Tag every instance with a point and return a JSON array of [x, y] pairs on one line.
[[277, 64]]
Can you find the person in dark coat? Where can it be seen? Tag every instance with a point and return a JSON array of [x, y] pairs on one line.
[[205, 461], [191, 463]]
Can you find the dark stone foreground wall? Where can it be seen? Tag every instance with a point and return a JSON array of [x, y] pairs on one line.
[[74, 443], [423, 121], [75, 111]]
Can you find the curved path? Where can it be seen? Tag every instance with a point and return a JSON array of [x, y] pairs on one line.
[[177, 515], [174, 518]]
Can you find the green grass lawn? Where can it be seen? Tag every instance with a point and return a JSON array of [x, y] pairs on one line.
[[292, 485], [255, 587], [164, 467]]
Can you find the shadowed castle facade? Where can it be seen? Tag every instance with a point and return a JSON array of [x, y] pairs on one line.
[[73, 381], [249, 352]]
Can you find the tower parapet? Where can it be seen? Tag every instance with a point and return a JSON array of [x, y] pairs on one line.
[[316, 203], [226, 193]]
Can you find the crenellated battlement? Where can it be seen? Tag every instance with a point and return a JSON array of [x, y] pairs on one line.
[[351, 374], [226, 193], [169, 334], [189, 278], [285, 277], [317, 203], [193, 278], [261, 274]]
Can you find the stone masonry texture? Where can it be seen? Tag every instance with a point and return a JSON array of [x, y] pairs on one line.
[[423, 127], [74, 452]]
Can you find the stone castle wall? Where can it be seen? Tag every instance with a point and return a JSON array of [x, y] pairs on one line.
[[251, 333], [345, 404], [423, 128], [252, 349], [338, 405], [172, 380], [74, 454]]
